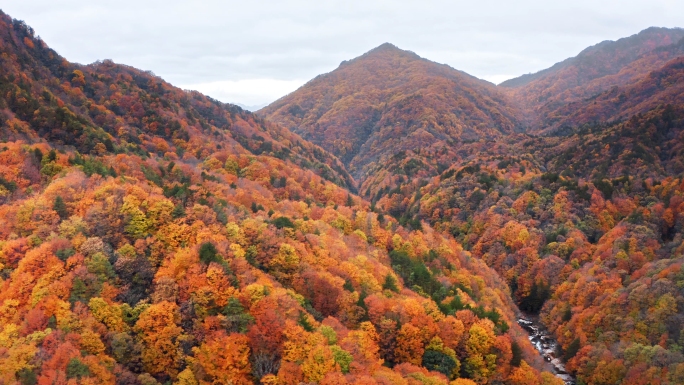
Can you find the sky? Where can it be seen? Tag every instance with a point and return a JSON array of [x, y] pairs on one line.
[[254, 52]]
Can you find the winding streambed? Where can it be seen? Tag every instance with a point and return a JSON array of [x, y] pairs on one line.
[[546, 345]]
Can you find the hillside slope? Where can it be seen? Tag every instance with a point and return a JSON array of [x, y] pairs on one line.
[[581, 222], [107, 107]]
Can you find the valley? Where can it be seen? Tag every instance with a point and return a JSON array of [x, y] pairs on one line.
[[386, 223]]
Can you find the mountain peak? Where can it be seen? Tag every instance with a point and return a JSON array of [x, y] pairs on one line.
[[382, 53], [389, 48], [385, 47]]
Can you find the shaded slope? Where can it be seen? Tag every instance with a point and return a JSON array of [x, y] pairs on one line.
[[664, 86], [594, 70]]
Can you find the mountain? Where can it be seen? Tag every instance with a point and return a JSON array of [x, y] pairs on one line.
[[251, 108], [151, 235], [389, 102], [605, 58], [577, 211], [595, 70]]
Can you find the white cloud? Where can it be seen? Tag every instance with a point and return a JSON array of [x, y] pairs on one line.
[[210, 41]]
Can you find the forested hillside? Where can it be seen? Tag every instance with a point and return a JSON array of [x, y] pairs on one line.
[[586, 229], [658, 88], [150, 235]]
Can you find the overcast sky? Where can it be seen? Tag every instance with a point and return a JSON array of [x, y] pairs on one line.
[[254, 51]]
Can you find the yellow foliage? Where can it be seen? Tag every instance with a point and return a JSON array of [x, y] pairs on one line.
[[237, 250], [255, 292], [72, 226], [111, 316], [549, 379], [480, 339], [318, 363], [15, 359], [91, 342], [9, 335], [8, 311], [462, 381], [287, 259], [186, 377]]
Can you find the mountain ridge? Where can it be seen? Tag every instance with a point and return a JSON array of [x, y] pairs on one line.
[[612, 44], [593, 71]]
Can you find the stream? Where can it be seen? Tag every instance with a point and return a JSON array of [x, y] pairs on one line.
[[546, 345]]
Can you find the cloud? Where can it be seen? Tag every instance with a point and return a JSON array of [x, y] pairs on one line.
[[223, 41]]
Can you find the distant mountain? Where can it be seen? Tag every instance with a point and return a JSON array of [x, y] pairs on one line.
[[664, 86], [253, 107], [388, 103], [595, 70]]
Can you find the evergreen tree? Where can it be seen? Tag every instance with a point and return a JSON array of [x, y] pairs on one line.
[[573, 348], [60, 207], [38, 154], [52, 155], [390, 283], [208, 253], [178, 211], [516, 354]]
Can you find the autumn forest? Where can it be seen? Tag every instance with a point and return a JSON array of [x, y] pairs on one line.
[[393, 222]]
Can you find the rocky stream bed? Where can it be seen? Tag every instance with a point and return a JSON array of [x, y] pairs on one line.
[[546, 345]]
